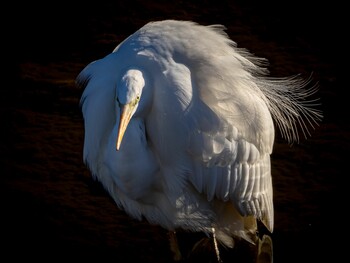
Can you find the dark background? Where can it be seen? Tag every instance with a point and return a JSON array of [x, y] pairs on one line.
[[51, 209]]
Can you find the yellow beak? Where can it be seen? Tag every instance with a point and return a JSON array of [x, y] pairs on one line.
[[125, 116]]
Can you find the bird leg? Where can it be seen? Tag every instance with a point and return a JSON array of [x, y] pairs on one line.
[[265, 250], [217, 252], [174, 246]]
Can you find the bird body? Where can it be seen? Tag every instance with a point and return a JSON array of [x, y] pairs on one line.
[[179, 128]]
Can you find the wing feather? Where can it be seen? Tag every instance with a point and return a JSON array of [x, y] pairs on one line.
[[252, 182], [212, 178], [245, 181]]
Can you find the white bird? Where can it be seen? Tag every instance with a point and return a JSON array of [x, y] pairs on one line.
[[179, 128]]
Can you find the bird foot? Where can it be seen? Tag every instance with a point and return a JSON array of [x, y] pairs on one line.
[[265, 250]]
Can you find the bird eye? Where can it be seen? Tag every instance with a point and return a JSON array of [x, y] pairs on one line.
[[138, 98]]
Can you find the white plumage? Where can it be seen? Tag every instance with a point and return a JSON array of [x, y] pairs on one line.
[[198, 118]]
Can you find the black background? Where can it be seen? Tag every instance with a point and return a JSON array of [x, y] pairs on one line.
[[51, 209]]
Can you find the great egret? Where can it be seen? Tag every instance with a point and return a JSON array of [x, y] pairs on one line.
[[179, 128]]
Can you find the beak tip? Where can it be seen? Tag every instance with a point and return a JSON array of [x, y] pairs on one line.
[[117, 146]]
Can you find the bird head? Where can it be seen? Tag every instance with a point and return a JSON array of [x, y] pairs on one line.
[[129, 93]]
